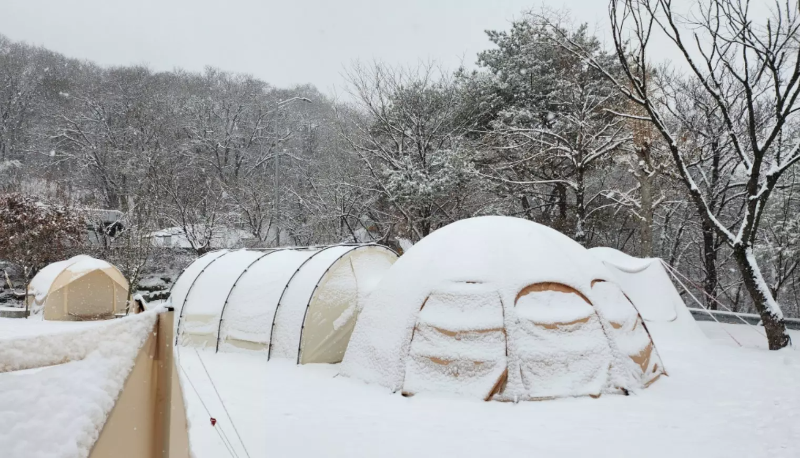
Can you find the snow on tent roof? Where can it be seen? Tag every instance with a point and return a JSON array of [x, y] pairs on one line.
[[87, 264], [79, 288], [296, 303], [185, 282], [500, 308], [42, 282], [646, 282]]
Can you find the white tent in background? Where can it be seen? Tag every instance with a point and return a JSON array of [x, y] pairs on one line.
[[501, 308], [297, 303], [80, 288], [646, 282]]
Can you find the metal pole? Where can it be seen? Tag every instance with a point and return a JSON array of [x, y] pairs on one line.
[[277, 196], [276, 191]]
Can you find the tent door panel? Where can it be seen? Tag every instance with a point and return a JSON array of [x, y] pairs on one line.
[[561, 347], [90, 296], [628, 331], [458, 345], [331, 316]]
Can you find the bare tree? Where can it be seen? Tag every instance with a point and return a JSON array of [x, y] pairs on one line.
[[750, 72]]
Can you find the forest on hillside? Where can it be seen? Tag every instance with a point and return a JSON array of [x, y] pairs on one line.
[[692, 162]]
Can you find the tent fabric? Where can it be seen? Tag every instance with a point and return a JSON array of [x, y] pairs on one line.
[[295, 303], [205, 296], [79, 288], [501, 308], [647, 284]]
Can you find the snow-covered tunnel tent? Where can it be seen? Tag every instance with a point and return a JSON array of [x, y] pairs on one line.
[[501, 308], [297, 303]]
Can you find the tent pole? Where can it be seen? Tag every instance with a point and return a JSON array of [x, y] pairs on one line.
[[189, 291], [311, 297], [275, 316]]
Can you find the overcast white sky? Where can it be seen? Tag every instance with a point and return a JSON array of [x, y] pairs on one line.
[[284, 42]]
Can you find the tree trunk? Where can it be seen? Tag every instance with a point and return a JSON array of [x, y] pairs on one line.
[[710, 264], [771, 316], [580, 197], [561, 204], [526, 207], [646, 224]]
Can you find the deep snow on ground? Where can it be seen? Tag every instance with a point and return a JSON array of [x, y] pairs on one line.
[[720, 400]]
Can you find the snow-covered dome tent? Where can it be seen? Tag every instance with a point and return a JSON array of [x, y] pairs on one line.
[[646, 283], [501, 308], [80, 288], [297, 303]]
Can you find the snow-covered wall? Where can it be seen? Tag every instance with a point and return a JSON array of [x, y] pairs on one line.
[[60, 409]]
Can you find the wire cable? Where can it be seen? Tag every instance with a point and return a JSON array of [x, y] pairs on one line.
[[223, 403], [227, 444]]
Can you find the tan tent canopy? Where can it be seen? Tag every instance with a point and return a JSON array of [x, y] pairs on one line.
[[505, 309], [80, 288], [296, 303]]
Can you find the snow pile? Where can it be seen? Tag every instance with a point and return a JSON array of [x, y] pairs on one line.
[[15, 328], [59, 410], [535, 281]]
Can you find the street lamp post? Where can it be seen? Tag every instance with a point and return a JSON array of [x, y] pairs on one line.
[[277, 194], [276, 183]]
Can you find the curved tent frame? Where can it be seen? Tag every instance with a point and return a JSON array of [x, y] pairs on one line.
[[188, 291], [311, 297], [228, 297], [247, 261], [280, 300]]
